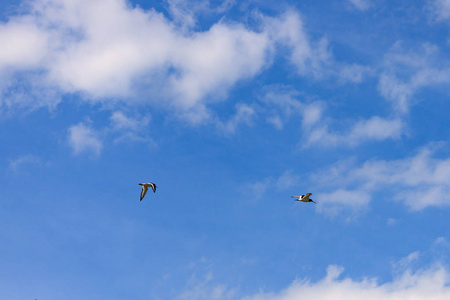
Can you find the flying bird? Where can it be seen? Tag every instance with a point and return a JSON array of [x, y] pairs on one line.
[[304, 198], [145, 187]]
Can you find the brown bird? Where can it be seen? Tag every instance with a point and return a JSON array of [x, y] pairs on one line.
[[304, 198], [145, 187]]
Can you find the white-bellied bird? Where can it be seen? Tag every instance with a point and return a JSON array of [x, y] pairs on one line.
[[145, 187], [304, 198]]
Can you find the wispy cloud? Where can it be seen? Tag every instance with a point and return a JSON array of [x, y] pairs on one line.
[[308, 57], [441, 9], [313, 58], [185, 14], [406, 72], [353, 73], [419, 181], [281, 104], [431, 283], [205, 289], [82, 138], [373, 129], [416, 276], [244, 115], [129, 128], [285, 181], [361, 4], [342, 201], [16, 164]]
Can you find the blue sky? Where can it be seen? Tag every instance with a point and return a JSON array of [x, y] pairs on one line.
[[230, 107]]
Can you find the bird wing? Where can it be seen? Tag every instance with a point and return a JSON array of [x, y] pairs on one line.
[[296, 196], [144, 191]]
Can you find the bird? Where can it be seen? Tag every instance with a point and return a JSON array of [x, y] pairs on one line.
[[145, 187], [304, 198]]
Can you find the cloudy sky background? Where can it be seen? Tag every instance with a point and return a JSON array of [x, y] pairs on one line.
[[230, 107]]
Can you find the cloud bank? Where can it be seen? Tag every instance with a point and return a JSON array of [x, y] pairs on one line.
[[110, 50], [432, 283]]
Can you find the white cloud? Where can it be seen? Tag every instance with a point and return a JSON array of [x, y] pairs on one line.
[[406, 262], [109, 50], [341, 200], [375, 129], [84, 139], [215, 60], [441, 240], [427, 284], [130, 129], [205, 289], [185, 13], [120, 121], [313, 58], [285, 181], [310, 58], [285, 103], [407, 72], [391, 221], [18, 163], [281, 103], [244, 115], [353, 73], [417, 276], [441, 10], [361, 4], [256, 190], [312, 113], [24, 45], [419, 181], [276, 121]]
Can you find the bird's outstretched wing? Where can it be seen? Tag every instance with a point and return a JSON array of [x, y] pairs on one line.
[[144, 191], [296, 196]]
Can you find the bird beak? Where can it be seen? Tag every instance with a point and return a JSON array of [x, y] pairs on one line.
[[313, 201]]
